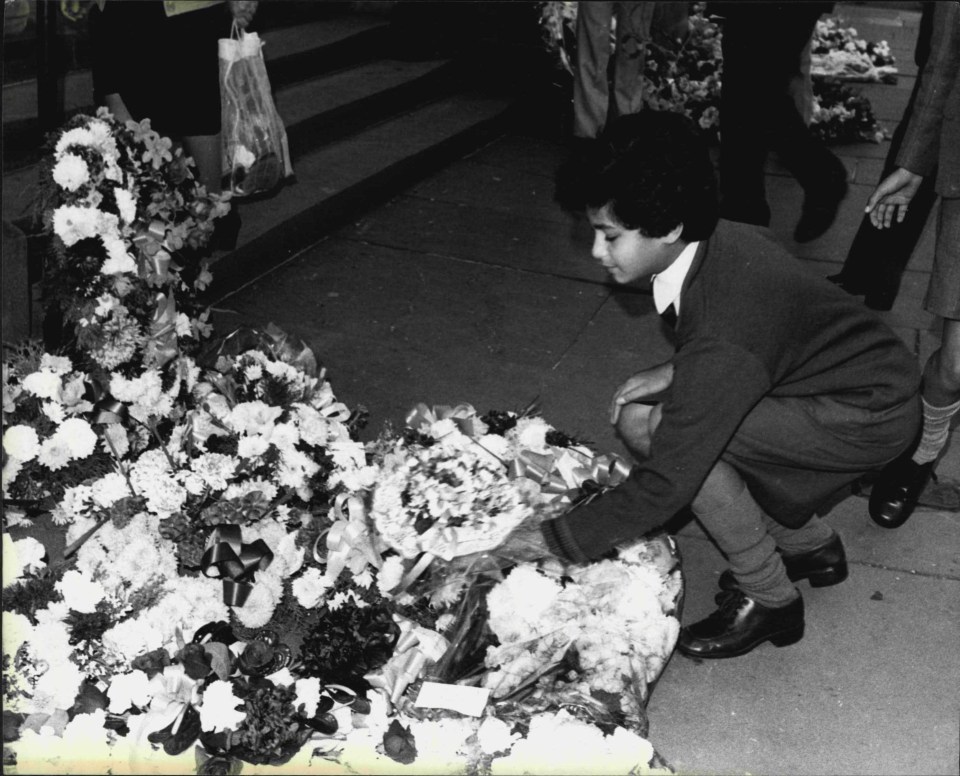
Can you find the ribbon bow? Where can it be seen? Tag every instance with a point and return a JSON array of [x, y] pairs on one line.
[[226, 556], [161, 344], [154, 262], [464, 417], [416, 647], [349, 541], [605, 472]]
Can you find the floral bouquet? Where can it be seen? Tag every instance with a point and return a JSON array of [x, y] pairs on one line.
[[837, 53], [129, 222]]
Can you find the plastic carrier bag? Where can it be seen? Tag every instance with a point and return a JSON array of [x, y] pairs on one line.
[[256, 158]]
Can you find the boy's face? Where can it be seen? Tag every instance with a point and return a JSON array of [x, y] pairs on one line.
[[626, 254]]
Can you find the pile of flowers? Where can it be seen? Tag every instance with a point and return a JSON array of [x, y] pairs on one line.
[[204, 566], [128, 223], [247, 577], [837, 52], [687, 77]]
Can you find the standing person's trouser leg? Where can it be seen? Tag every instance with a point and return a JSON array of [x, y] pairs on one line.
[[633, 33], [590, 88]]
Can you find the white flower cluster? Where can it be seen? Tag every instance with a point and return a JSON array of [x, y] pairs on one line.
[[60, 392], [617, 614], [448, 499]]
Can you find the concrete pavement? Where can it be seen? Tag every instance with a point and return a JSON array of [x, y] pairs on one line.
[[474, 287]]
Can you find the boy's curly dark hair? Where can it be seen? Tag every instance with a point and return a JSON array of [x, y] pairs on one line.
[[653, 168]]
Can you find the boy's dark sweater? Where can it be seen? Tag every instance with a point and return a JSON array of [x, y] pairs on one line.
[[754, 322]]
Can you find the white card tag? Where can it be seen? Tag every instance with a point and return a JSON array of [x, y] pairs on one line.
[[455, 697]]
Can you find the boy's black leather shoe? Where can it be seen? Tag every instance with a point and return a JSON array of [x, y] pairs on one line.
[[896, 492], [826, 565], [739, 625]]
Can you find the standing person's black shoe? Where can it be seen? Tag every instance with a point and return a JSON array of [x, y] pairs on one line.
[[823, 566], [896, 492], [820, 206], [739, 625]]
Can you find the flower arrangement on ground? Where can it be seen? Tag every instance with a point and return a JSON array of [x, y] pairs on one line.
[[128, 222], [687, 77], [204, 566]]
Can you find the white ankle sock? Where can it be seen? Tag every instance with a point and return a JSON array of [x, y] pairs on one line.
[[936, 430]]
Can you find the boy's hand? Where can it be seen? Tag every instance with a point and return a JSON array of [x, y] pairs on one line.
[[640, 386], [892, 197]]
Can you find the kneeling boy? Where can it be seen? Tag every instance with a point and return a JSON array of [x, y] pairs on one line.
[[782, 391]]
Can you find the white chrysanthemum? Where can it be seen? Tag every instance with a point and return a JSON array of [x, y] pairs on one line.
[[59, 365], [348, 454], [118, 261], [252, 447], [55, 453], [80, 136], [219, 708], [57, 687], [79, 437], [126, 204], [253, 417], [259, 607], [21, 442], [133, 637], [20, 557], [287, 556], [390, 573], [129, 690], [54, 410], [46, 385], [531, 434], [71, 172], [109, 489], [72, 223], [73, 505], [79, 592], [192, 603], [311, 588]]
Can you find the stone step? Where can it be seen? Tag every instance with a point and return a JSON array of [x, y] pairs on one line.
[[341, 180], [293, 55]]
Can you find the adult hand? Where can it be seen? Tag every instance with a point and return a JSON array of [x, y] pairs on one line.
[[243, 11], [640, 386], [892, 197]]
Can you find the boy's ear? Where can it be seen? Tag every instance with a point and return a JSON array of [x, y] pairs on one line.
[[673, 235]]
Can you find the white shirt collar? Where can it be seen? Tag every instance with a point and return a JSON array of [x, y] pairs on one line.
[[667, 284]]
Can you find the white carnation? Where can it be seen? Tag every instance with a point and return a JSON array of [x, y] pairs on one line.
[[126, 204], [78, 436], [71, 172], [118, 261], [20, 557], [218, 710], [59, 365], [21, 442], [72, 223], [46, 385], [80, 593]]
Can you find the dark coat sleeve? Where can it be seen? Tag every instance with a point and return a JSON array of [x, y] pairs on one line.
[[715, 385]]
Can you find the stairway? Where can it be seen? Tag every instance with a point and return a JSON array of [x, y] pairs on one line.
[[366, 117]]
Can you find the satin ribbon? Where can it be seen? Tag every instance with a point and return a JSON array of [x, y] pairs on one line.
[[416, 647], [227, 557], [153, 261], [566, 484], [464, 417], [349, 542], [106, 409], [161, 343]]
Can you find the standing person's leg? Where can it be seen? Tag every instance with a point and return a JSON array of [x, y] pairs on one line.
[[818, 171], [590, 86], [899, 489], [744, 133], [877, 258], [633, 33]]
